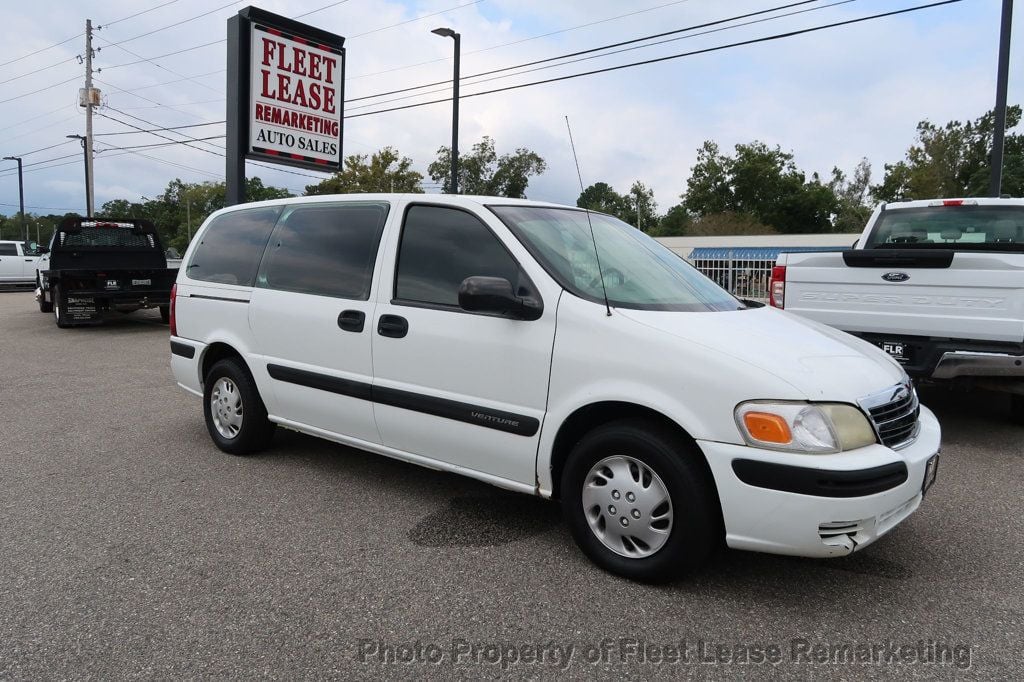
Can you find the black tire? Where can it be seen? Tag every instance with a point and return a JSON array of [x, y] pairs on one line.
[[256, 430], [695, 530], [1017, 408], [165, 314], [59, 314]]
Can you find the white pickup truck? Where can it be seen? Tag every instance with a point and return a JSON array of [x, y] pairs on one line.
[[18, 262], [939, 285]]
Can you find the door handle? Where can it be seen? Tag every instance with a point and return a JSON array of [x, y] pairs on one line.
[[393, 326], [352, 320]]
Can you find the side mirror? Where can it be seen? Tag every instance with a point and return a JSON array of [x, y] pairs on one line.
[[41, 250], [495, 295]]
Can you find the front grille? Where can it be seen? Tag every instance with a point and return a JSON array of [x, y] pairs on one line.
[[894, 414]]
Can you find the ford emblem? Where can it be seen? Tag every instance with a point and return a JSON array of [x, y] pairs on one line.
[[895, 277]]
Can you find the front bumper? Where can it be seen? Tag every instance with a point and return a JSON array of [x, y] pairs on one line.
[[826, 524]]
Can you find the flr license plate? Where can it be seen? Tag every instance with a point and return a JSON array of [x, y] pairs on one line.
[[897, 349], [931, 470]]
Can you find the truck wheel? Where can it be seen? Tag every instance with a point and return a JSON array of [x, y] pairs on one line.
[[59, 314], [44, 305], [165, 314], [235, 414], [638, 503]]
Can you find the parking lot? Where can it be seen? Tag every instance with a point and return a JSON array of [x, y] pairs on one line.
[[132, 547]]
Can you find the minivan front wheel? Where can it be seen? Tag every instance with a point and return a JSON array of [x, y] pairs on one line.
[[235, 414], [637, 502]]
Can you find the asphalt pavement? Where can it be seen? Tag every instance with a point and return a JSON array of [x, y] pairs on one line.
[[130, 547]]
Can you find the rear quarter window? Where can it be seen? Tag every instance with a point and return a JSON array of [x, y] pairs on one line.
[[232, 246]]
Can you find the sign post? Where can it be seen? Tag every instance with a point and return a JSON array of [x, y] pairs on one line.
[[285, 96]]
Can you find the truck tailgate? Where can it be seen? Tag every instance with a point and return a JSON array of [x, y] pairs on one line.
[[980, 295]]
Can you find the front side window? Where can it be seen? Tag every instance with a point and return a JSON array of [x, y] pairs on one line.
[[443, 246], [962, 228], [232, 246], [328, 250], [638, 272]]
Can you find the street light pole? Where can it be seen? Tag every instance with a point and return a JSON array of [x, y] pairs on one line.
[[449, 33], [1002, 75], [88, 186], [21, 194]]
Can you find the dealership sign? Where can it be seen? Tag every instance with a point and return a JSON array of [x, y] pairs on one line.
[[285, 92]]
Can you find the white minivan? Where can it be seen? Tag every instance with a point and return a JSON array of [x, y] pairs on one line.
[[555, 352]]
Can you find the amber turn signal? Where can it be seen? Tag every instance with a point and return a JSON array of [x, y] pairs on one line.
[[767, 428]]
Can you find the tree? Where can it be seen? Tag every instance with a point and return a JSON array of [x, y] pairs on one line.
[[483, 172], [675, 223], [602, 198], [642, 207], [708, 190], [852, 195], [955, 160], [727, 224], [760, 182], [386, 171]]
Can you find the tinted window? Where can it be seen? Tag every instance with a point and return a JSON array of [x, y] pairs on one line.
[[8, 250], [443, 246], [962, 228], [325, 249], [106, 237], [232, 246]]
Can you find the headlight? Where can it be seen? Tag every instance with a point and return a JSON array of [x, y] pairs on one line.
[[816, 428]]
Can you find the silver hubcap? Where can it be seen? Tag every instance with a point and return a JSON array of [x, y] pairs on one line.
[[226, 407], [627, 506]]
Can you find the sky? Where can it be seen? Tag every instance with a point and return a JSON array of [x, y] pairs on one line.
[[830, 97]]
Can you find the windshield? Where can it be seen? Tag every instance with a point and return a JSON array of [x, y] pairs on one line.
[[963, 228], [638, 272]]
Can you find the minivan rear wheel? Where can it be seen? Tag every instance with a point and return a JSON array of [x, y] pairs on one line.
[[235, 414], [638, 502]]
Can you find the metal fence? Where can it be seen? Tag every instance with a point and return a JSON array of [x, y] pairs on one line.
[[738, 272], [744, 271]]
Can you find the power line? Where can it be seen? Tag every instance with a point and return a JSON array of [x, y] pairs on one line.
[[320, 9], [79, 35], [597, 49], [43, 89], [152, 60], [43, 208], [161, 56], [164, 144], [409, 21], [42, 49], [176, 23], [137, 14], [157, 130], [777, 36], [43, 149], [605, 54], [524, 40]]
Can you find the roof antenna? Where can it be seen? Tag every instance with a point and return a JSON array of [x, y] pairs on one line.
[[600, 274]]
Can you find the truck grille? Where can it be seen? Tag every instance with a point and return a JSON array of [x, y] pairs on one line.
[[894, 414]]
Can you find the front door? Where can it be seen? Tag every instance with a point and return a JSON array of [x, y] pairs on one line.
[[311, 315], [463, 388]]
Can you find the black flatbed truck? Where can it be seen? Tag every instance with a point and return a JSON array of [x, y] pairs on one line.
[[94, 266]]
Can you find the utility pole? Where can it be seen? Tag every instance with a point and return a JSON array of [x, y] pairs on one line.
[[88, 100], [21, 193], [1003, 73]]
